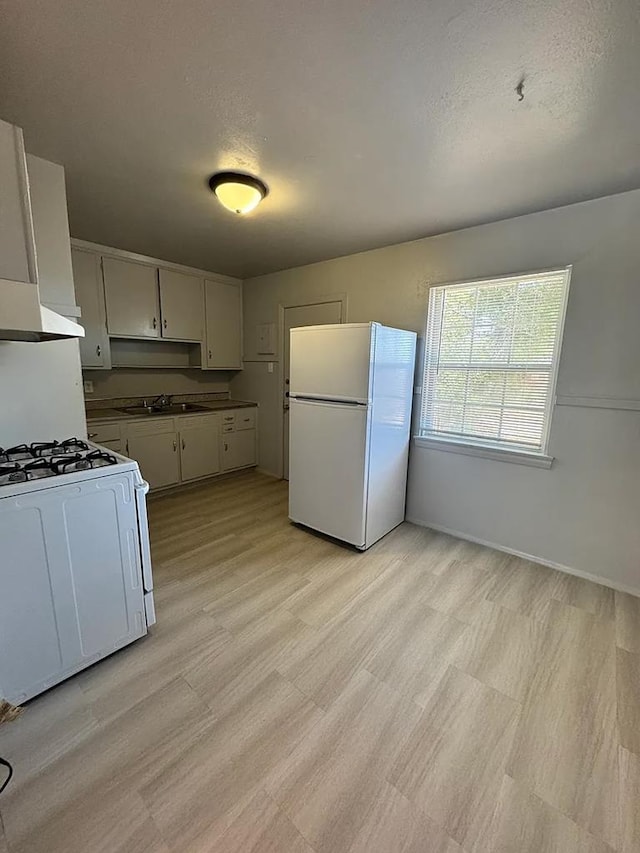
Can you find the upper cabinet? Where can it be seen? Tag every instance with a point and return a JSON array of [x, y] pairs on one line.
[[140, 314], [132, 299], [144, 302], [223, 317], [180, 306], [87, 277]]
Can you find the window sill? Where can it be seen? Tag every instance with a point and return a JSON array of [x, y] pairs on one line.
[[499, 454]]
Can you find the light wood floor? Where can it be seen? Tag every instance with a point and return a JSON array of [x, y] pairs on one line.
[[428, 696]]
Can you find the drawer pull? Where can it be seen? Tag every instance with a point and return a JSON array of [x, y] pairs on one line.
[[93, 434]]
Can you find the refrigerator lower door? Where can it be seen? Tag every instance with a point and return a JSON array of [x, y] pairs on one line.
[[327, 468]]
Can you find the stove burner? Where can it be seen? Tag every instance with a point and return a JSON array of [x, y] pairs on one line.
[[74, 444], [38, 468], [97, 458], [20, 451], [44, 448], [12, 473], [62, 464]]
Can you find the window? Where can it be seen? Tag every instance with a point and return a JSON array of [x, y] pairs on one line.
[[491, 357]]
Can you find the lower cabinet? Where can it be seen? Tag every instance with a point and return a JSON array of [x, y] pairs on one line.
[[199, 446], [238, 449], [172, 450], [154, 446]]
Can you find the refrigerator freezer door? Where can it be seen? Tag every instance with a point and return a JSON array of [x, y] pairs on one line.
[[327, 479], [332, 362]]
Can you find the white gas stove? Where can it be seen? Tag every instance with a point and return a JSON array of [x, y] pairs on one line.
[[75, 565]]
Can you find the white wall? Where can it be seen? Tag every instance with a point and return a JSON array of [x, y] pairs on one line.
[[583, 513], [145, 382]]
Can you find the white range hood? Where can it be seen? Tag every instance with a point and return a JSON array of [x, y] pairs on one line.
[[24, 318]]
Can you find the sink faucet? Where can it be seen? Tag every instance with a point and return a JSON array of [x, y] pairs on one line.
[[162, 401]]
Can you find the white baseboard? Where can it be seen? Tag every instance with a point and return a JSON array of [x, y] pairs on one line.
[[267, 473], [531, 557]]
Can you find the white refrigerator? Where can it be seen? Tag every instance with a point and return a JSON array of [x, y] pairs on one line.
[[350, 394]]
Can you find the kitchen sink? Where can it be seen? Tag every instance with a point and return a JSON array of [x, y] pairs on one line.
[[173, 409]]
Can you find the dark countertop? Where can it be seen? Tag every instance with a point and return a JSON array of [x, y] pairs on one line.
[[109, 414]]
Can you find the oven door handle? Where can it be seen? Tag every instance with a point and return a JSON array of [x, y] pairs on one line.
[[143, 532]]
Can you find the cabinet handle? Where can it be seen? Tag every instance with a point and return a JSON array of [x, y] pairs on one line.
[[226, 446], [127, 446], [164, 323], [98, 350], [183, 444], [210, 356], [175, 445], [155, 323], [92, 434]]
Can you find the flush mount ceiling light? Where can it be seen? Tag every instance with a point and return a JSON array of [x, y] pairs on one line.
[[237, 192]]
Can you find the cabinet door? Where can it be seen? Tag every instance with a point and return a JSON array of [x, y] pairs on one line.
[[157, 456], [223, 313], [131, 296], [199, 449], [181, 306], [238, 449], [87, 279]]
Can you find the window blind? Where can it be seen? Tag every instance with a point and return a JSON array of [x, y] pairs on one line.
[[491, 353]]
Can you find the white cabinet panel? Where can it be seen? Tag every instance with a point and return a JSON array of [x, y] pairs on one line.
[[78, 584], [199, 447], [131, 295], [181, 303], [245, 419], [17, 242], [223, 313], [87, 278], [25, 576], [238, 449], [157, 456], [51, 230]]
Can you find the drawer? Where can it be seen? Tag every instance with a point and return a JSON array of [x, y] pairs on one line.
[[228, 427], [150, 426], [198, 420], [103, 432], [246, 419], [228, 417]]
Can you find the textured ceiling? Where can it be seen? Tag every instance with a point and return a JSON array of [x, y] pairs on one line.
[[371, 122]]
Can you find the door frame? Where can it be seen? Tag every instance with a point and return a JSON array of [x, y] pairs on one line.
[[282, 306]]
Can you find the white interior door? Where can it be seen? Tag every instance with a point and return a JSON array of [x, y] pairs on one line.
[[319, 314], [327, 475]]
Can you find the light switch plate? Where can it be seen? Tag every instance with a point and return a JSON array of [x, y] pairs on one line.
[[270, 367], [88, 386]]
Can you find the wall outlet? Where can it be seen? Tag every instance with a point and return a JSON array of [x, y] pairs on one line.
[[270, 367], [88, 386]]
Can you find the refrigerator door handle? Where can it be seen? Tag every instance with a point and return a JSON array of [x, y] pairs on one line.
[[322, 401]]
